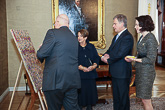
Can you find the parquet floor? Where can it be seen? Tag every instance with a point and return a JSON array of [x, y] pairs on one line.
[[21, 100]]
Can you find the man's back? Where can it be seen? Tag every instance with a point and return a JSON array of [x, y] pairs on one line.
[[61, 77], [61, 62]]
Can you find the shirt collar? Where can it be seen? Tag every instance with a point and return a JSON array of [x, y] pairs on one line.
[[77, 7], [121, 31]]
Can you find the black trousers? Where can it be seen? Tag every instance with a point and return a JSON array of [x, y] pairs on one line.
[[120, 89], [56, 98]]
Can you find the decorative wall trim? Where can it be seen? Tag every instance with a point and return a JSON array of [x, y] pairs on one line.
[[4, 94], [24, 89], [18, 88], [11, 89], [103, 86]]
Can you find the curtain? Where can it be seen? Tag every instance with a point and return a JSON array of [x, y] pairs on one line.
[[160, 7]]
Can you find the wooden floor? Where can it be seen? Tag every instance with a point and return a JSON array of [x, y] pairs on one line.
[[21, 100]]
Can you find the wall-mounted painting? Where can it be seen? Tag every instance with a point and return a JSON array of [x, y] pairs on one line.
[[83, 14]]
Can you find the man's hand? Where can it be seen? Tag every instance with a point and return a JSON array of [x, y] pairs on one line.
[[104, 58], [107, 56], [40, 45]]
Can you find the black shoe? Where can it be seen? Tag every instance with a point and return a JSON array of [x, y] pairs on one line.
[[89, 107], [80, 107]]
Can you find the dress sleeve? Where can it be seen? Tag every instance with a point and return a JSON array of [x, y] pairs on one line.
[[96, 57], [151, 51]]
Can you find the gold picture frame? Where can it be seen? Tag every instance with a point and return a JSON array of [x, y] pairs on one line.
[[101, 42]]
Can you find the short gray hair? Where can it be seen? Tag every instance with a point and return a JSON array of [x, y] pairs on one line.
[[121, 18]]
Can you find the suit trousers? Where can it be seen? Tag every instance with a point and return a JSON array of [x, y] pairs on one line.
[[120, 87], [56, 98]]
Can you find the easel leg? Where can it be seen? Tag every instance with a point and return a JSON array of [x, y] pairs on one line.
[[41, 101], [34, 95], [44, 99], [18, 75]]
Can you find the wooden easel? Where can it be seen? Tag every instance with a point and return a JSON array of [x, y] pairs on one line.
[[21, 38], [34, 95], [18, 75]]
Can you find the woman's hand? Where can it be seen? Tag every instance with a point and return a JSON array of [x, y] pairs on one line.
[[129, 59], [90, 68], [85, 69]]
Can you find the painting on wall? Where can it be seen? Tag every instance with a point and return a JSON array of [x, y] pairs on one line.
[[83, 14]]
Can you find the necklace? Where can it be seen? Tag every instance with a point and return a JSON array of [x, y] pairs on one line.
[[83, 44]]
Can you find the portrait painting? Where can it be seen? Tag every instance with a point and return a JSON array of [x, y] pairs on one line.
[[83, 14]]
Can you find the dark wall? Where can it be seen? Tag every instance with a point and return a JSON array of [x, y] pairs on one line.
[[90, 10], [3, 48]]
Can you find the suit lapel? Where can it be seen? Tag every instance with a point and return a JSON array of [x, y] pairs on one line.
[[120, 37], [141, 43], [113, 41], [77, 10]]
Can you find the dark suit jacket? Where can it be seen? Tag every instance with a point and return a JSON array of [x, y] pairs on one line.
[[118, 67], [60, 51], [77, 20]]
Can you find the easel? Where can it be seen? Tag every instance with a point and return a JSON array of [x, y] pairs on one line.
[[18, 75], [21, 38], [34, 95]]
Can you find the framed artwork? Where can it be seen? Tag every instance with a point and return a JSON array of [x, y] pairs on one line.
[[83, 14], [29, 58]]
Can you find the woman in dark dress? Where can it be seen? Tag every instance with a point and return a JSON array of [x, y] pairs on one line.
[[88, 59], [145, 61]]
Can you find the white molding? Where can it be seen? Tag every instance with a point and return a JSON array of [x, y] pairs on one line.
[[103, 85], [4, 94], [23, 88], [11, 89]]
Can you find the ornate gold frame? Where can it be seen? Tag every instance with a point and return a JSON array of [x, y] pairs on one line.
[[101, 43]]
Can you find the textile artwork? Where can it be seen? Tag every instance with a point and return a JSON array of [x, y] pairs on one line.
[[28, 55]]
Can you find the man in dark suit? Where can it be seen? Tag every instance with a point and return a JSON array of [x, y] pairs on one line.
[[120, 70], [61, 77], [77, 18]]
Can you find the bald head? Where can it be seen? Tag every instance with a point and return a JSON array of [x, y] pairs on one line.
[[62, 20]]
